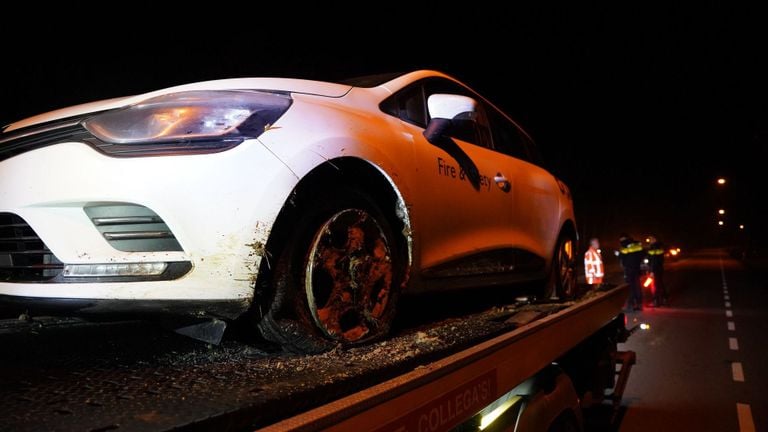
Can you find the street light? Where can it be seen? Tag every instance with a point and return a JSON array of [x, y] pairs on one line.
[[721, 180], [721, 223], [721, 211], [741, 226]]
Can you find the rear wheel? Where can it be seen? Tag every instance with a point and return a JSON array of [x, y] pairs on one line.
[[338, 277], [562, 279]]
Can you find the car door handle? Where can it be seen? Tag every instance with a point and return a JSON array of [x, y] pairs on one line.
[[502, 182]]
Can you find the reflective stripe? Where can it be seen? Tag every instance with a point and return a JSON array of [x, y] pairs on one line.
[[633, 247], [593, 265], [655, 251]]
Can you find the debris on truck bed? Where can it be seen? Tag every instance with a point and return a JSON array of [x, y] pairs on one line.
[[71, 375]]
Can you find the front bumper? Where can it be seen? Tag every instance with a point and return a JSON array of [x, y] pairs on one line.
[[220, 208]]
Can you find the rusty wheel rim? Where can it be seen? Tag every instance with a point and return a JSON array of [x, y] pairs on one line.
[[349, 276]]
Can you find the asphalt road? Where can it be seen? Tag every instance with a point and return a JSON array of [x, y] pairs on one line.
[[701, 367]]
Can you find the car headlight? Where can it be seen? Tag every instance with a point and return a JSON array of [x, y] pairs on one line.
[[189, 121]]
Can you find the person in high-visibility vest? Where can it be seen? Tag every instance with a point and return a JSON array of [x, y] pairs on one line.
[[593, 263], [631, 256], [656, 265]]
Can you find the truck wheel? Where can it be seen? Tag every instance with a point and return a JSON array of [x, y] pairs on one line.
[[338, 277], [562, 278]]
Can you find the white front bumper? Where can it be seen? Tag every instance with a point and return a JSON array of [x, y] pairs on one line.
[[220, 207]]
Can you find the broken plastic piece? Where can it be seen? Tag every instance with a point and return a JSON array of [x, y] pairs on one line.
[[209, 331]]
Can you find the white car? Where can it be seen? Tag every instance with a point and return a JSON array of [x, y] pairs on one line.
[[312, 205]]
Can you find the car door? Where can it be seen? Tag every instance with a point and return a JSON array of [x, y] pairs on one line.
[[460, 213], [534, 196]]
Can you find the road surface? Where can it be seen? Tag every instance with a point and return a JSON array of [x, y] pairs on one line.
[[703, 363]]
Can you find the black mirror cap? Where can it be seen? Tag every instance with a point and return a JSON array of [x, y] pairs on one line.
[[437, 129]]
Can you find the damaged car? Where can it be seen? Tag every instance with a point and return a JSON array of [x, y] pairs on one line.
[[305, 207]]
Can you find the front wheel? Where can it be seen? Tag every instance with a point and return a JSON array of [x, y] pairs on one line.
[[338, 278], [348, 276]]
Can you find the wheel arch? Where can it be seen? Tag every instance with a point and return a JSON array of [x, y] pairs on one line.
[[369, 178]]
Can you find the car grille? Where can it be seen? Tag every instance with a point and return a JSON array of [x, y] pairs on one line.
[[23, 255]]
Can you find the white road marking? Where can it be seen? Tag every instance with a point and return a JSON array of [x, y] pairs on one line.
[[733, 343], [744, 412], [737, 371]]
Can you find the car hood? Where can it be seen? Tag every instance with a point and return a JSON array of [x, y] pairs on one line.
[[318, 88]]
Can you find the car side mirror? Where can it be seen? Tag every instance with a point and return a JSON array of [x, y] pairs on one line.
[[443, 108]]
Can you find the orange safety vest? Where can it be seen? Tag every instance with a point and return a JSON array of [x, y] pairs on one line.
[[593, 266]]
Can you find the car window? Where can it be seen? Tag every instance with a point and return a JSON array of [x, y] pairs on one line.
[[507, 137], [534, 155], [411, 106], [408, 105], [475, 130]]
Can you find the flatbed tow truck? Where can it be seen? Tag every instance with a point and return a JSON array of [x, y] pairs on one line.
[[521, 367]]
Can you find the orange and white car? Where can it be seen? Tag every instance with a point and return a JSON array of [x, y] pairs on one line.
[[312, 205]]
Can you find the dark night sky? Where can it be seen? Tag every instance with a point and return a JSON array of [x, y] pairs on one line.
[[637, 107]]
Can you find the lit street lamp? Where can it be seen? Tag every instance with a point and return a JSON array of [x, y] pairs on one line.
[[741, 226], [721, 223], [721, 180], [721, 211]]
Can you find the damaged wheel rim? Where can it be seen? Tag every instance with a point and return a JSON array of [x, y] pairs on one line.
[[349, 276]]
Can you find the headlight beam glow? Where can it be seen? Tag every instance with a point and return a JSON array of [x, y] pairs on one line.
[[487, 419]]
